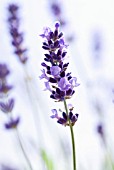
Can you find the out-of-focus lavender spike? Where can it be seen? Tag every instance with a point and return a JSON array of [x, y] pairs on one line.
[[97, 40], [7, 167], [100, 130], [97, 48], [57, 12], [17, 36], [4, 87], [56, 9], [6, 107]]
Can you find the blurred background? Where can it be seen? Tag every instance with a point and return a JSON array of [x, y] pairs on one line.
[[88, 28]]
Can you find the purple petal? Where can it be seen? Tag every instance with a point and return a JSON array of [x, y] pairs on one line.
[[42, 35], [55, 114], [54, 111], [55, 70], [46, 33], [47, 85], [73, 82], [43, 75], [57, 24], [62, 43], [64, 84], [70, 106]]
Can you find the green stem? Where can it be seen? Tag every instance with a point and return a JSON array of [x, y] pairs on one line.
[[109, 158], [72, 137], [107, 151], [23, 150]]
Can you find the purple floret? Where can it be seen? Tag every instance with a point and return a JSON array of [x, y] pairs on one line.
[[12, 123], [8, 106]]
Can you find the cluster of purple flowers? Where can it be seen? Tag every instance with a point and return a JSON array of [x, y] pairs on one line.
[[6, 105], [17, 36], [59, 82], [64, 120]]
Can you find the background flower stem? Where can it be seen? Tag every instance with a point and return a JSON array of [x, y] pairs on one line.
[[23, 150], [72, 138]]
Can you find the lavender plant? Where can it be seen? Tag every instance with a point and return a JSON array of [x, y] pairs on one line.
[[59, 82], [7, 105], [17, 41]]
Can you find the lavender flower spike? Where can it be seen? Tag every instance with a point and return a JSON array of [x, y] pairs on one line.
[[17, 36], [7, 105], [54, 66], [59, 82]]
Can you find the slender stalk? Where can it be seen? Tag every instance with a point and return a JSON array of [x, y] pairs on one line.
[[109, 158], [72, 138], [110, 161], [23, 150]]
